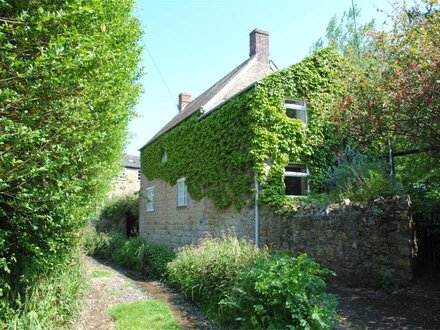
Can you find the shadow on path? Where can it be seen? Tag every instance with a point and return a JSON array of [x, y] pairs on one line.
[[416, 307]]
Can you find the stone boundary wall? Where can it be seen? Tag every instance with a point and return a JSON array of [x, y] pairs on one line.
[[363, 244]]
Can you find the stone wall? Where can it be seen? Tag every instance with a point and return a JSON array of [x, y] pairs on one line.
[[127, 183], [363, 244], [177, 226]]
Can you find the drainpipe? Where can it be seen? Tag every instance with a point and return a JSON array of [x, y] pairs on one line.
[[257, 224]]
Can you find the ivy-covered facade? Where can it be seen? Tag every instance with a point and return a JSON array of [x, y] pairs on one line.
[[202, 175]]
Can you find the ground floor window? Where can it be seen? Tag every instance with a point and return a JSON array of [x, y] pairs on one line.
[[181, 192], [296, 180], [150, 199]]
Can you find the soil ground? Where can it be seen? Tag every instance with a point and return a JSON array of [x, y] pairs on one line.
[[417, 307]]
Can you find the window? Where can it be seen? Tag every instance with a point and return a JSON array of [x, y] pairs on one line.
[[122, 175], [297, 109], [295, 179], [139, 175], [164, 157], [150, 199], [181, 192]]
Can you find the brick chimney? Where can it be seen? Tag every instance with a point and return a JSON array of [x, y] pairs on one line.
[[184, 100], [259, 45]]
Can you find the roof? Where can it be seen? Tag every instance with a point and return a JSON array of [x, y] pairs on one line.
[[235, 81], [131, 161]]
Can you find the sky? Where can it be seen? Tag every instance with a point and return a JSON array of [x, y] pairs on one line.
[[190, 45]]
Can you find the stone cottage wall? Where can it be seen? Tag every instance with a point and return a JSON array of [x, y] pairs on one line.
[[177, 226], [362, 244], [128, 184]]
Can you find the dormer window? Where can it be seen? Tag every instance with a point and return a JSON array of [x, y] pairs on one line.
[[296, 180], [297, 109], [164, 156]]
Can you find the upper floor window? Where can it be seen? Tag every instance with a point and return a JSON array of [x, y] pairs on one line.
[[164, 156], [296, 180], [123, 174], [150, 199], [297, 109], [181, 192]]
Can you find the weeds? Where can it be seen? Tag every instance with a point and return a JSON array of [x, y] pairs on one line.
[[135, 253], [53, 301]]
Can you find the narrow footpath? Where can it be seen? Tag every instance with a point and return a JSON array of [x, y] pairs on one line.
[[417, 307], [110, 285]]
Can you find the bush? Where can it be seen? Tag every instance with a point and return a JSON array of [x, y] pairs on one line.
[[281, 291], [154, 259], [135, 253], [53, 301], [206, 272], [115, 209], [94, 243], [360, 178], [67, 93]]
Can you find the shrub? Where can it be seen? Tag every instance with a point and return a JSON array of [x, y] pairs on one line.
[[360, 178], [135, 253], [67, 93], [54, 299], [115, 210], [154, 259], [206, 272], [281, 291], [94, 243]]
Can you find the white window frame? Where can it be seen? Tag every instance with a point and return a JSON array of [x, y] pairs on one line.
[[150, 199], [182, 199], [164, 156], [297, 105], [298, 175]]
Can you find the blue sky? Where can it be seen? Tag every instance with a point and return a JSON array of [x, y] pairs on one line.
[[195, 43]]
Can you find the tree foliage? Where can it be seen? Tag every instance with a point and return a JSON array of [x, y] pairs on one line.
[[347, 34], [68, 72], [394, 96]]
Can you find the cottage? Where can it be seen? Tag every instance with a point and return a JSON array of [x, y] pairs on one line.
[[128, 180], [252, 139]]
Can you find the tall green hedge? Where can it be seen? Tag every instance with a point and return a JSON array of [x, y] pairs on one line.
[[68, 72]]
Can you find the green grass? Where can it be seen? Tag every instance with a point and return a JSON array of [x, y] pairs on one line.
[[143, 315], [101, 273]]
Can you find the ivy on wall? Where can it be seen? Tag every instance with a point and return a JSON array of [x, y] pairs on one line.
[[220, 153]]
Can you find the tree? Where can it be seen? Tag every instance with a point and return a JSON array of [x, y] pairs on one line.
[[346, 35], [68, 72], [395, 92], [393, 96]]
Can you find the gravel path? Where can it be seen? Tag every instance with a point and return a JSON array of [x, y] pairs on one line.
[[417, 307], [105, 292], [121, 286]]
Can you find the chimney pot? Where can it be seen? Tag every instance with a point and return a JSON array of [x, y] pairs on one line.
[[259, 45], [184, 100]]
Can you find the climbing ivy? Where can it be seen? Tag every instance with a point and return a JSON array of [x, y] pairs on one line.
[[219, 153]]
